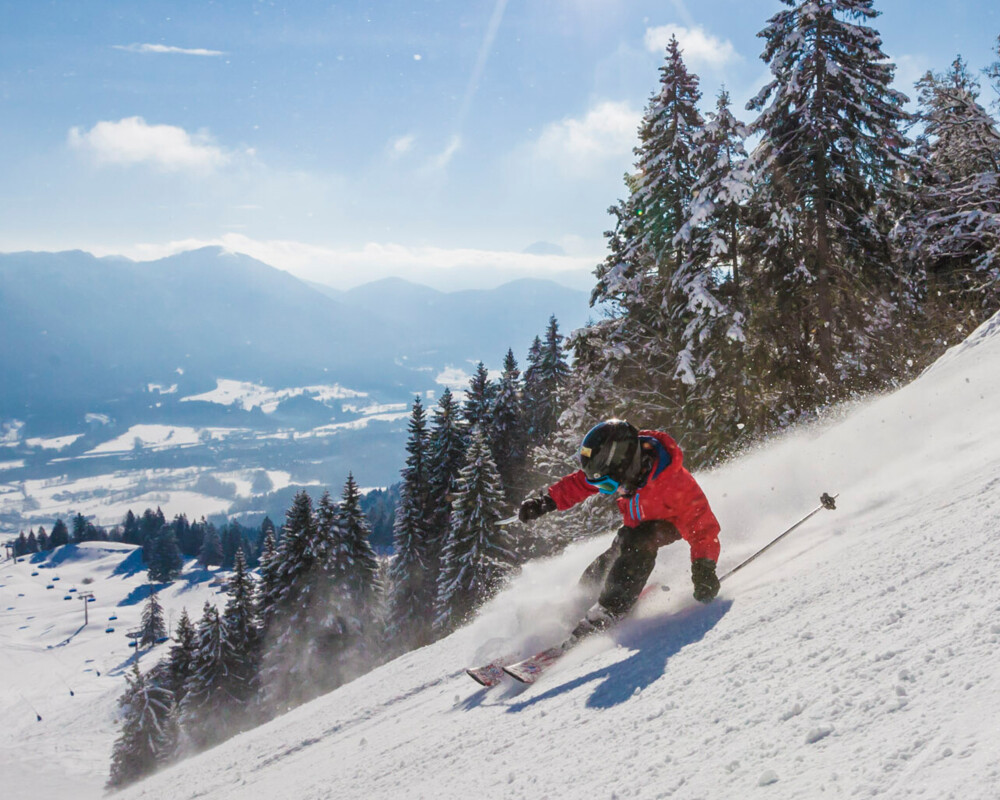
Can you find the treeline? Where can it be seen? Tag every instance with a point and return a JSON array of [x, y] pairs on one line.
[[164, 544], [750, 288]]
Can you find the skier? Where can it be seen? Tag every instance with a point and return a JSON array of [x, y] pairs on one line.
[[660, 502]]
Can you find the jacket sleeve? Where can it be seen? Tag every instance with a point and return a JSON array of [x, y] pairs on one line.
[[699, 527], [571, 490]]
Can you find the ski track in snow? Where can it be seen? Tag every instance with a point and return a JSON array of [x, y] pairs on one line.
[[855, 659]]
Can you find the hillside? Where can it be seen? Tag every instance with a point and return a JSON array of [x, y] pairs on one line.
[[858, 657]]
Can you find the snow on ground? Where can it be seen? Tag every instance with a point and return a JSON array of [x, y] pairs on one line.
[[46, 652], [857, 658], [55, 443], [250, 395], [106, 498], [161, 437]]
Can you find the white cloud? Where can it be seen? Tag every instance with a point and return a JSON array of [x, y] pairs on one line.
[[442, 160], [132, 141], [606, 133], [162, 48], [401, 145], [440, 267], [701, 49]]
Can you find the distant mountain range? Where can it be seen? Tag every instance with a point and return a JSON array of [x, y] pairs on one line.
[[211, 358]]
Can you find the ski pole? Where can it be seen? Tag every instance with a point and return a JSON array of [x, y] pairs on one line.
[[825, 501]]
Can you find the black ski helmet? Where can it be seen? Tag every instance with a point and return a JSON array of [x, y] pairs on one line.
[[611, 448]]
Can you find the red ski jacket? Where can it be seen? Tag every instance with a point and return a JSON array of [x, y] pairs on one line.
[[669, 493]]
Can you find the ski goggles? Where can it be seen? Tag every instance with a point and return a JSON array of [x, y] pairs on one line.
[[604, 484]]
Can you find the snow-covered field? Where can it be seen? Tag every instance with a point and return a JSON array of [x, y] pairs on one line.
[[46, 652], [857, 658], [106, 498]]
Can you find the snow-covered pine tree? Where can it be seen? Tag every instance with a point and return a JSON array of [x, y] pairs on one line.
[[361, 587], [445, 457], [413, 588], [301, 620], [240, 621], [210, 554], [711, 360], [165, 559], [149, 730], [826, 299], [632, 356], [952, 233], [476, 557], [533, 390], [357, 553], [552, 378], [208, 709], [507, 433], [152, 628], [268, 587], [181, 656], [478, 406]]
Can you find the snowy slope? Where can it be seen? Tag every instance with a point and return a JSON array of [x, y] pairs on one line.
[[46, 653], [857, 658]]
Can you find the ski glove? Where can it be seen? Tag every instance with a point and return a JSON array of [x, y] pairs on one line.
[[534, 507], [706, 583]]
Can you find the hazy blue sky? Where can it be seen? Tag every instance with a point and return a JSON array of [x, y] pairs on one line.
[[349, 140]]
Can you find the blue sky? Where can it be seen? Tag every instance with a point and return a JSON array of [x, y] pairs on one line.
[[346, 141]]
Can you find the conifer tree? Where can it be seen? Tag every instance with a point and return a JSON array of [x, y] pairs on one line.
[[43, 541], [130, 531], [445, 456], [60, 534], [149, 733], [208, 707], [240, 621], [507, 435], [181, 657], [533, 391], [153, 627], [478, 407], [31, 545], [552, 379], [711, 361], [826, 298], [165, 560], [356, 551], [210, 554], [476, 556], [413, 586], [360, 590], [952, 232]]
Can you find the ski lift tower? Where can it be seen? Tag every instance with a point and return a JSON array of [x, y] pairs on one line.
[[86, 597]]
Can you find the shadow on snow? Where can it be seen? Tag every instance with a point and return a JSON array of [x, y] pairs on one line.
[[654, 641]]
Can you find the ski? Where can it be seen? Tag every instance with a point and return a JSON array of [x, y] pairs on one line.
[[529, 670], [490, 674]]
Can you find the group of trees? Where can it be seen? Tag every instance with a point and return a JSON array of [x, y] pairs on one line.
[[749, 288], [311, 620], [464, 473], [164, 544]]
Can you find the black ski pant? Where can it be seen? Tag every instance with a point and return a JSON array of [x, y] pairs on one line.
[[623, 569]]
